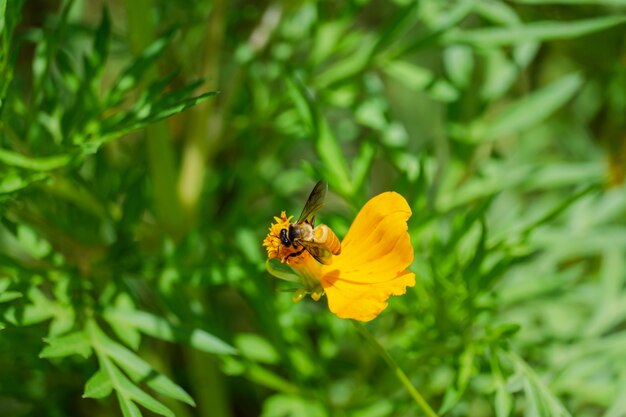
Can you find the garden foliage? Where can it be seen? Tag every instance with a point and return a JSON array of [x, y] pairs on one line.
[[145, 147]]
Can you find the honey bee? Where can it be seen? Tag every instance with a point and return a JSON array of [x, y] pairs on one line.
[[320, 241]]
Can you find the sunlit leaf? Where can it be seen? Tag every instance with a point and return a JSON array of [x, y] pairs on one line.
[[534, 31], [534, 108], [98, 386], [35, 164], [349, 66], [421, 79], [132, 75], [129, 409], [503, 402], [256, 348], [326, 143], [7, 296], [76, 343], [116, 126], [133, 392], [13, 181], [459, 61], [140, 371], [161, 329], [576, 2], [285, 405]]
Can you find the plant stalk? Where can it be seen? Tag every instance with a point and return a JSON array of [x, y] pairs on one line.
[[399, 373], [162, 164]]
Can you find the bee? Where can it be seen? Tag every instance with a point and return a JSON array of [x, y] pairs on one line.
[[320, 241]]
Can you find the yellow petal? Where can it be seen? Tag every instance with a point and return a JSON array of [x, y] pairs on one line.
[[373, 261], [363, 302]]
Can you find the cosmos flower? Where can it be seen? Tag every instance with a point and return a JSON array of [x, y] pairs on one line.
[[371, 267]]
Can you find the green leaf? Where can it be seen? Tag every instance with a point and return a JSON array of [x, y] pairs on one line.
[[532, 109], [280, 270], [503, 402], [500, 74], [612, 311], [98, 386], [459, 64], [35, 164], [534, 31], [415, 77], [421, 79], [348, 66], [552, 213], [134, 73], [450, 398], [115, 126], [3, 9], [300, 100], [5, 282], [466, 370], [618, 408], [128, 334], [256, 348], [76, 343], [9, 296], [13, 181], [40, 309], [536, 106], [379, 407], [133, 392], [541, 401], [396, 27], [267, 378], [332, 157], [100, 49], [281, 405], [362, 163], [125, 388], [473, 268], [161, 329], [576, 2], [248, 243], [139, 370], [443, 24], [326, 143], [129, 409], [498, 12]]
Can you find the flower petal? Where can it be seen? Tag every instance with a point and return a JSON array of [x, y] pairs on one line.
[[363, 302], [373, 261]]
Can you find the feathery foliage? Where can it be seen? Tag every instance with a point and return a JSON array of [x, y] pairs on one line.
[[145, 147]]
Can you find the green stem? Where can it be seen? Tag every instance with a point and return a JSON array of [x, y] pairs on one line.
[[206, 122], [413, 392], [213, 400], [161, 156]]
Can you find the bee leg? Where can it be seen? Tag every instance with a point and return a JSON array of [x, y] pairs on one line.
[[295, 253]]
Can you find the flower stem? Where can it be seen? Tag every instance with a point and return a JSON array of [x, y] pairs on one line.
[[413, 392]]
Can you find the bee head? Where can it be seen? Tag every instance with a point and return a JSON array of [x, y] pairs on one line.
[[284, 238]]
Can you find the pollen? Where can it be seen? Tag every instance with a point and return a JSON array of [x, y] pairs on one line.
[[275, 248]]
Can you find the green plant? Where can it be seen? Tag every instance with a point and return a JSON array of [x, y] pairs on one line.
[[134, 198]]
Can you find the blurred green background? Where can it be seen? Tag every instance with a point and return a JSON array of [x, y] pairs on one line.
[[146, 145]]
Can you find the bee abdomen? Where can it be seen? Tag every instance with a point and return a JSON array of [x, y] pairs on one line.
[[324, 235]]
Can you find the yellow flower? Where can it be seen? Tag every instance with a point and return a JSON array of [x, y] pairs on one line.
[[371, 267], [275, 249]]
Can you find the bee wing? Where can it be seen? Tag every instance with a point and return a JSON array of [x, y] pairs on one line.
[[320, 253], [315, 201]]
